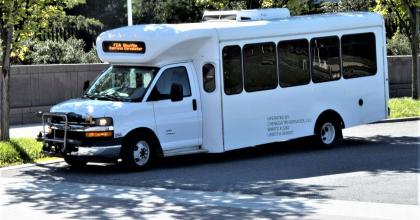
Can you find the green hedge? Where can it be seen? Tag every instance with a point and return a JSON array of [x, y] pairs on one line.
[[20, 150], [404, 107]]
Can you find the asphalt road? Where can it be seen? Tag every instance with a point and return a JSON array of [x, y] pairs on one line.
[[375, 164]]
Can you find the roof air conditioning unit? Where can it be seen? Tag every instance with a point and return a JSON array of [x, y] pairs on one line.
[[247, 15]]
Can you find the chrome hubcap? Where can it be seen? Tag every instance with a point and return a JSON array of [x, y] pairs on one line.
[[327, 133], [141, 153]]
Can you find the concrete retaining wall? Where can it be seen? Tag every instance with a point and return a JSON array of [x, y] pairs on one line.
[[399, 70], [37, 87]]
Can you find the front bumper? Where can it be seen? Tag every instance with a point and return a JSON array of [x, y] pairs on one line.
[[102, 153], [68, 140]]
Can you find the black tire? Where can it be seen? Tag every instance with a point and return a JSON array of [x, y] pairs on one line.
[[75, 162], [327, 132], [139, 152]]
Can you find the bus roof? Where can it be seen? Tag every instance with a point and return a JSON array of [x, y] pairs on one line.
[[166, 43]]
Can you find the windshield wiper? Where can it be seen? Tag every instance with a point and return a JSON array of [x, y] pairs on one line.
[[102, 97], [88, 96]]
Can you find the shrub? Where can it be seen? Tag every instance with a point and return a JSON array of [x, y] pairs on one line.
[[404, 107], [399, 44], [91, 56], [20, 150], [61, 51]]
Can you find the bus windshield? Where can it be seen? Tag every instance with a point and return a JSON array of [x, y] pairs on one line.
[[122, 83]]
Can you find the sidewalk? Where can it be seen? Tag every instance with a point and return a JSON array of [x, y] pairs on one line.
[[30, 130]]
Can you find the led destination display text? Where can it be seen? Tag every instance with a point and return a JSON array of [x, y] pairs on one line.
[[124, 46]]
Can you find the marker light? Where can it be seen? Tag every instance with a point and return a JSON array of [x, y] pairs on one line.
[[98, 134]]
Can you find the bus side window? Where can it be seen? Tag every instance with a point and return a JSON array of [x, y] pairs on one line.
[[232, 70], [325, 53], [293, 62], [162, 89], [359, 55], [260, 66], [209, 80]]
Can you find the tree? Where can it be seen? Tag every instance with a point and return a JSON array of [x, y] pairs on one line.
[[405, 14], [20, 20], [347, 5], [169, 11]]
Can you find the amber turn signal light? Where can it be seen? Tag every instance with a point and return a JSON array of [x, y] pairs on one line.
[[98, 134]]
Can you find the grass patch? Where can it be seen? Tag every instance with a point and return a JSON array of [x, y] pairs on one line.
[[404, 107], [20, 150]]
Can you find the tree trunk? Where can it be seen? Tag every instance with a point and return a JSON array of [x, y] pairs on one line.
[[415, 55], [5, 79]]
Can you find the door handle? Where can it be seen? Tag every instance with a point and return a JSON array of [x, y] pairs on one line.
[[194, 104]]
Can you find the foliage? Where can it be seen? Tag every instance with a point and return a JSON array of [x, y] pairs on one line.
[[20, 150], [296, 7], [347, 5], [70, 26], [404, 107], [398, 12], [61, 51], [404, 15], [399, 44], [169, 11], [110, 13], [222, 4], [29, 18]]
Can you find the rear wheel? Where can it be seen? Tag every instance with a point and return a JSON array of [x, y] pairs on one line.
[[75, 161], [327, 132], [138, 153]]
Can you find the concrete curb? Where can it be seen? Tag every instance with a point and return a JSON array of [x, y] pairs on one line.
[[30, 165], [397, 120]]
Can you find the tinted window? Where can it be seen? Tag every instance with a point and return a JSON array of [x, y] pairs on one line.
[[232, 74], [325, 59], [209, 80], [359, 55], [260, 71], [162, 89], [293, 63]]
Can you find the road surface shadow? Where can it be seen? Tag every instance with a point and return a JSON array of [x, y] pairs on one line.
[[261, 170], [98, 202], [264, 170]]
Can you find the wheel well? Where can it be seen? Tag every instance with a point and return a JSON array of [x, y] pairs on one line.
[[329, 114], [146, 132]]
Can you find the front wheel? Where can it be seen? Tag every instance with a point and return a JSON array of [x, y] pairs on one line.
[[327, 132], [138, 153]]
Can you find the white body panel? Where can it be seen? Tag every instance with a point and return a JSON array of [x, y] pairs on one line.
[[177, 124], [254, 118], [226, 122]]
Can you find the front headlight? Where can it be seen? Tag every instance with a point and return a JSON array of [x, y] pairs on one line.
[[103, 121]]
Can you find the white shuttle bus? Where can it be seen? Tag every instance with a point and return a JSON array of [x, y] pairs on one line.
[[237, 79]]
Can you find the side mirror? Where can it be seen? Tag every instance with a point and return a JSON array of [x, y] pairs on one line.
[[86, 85], [177, 94]]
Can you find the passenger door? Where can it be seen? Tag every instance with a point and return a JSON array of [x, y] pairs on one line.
[[178, 123]]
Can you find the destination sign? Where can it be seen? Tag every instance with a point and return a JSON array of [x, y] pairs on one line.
[[124, 46]]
